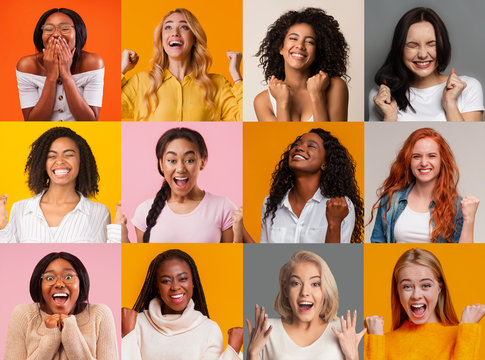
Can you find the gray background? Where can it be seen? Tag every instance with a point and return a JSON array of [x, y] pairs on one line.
[[464, 20], [467, 141], [262, 265]]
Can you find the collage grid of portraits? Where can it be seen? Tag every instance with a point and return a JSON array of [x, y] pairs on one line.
[[242, 156]]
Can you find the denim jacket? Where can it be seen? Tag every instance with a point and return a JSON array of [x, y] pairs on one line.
[[383, 234]]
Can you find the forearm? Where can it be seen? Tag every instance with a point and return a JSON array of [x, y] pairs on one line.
[[77, 105], [319, 108], [73, 341], [452, 112], [333, 233], [42, 111], [283, 111], [466, 235]]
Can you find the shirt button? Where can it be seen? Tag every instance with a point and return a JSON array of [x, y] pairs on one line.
[[60, 110], [59, 82], [60, 97]]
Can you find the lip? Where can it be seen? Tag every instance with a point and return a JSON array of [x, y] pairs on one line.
[[305, 306], [425, 171], [60, 299], [415, 310], [181, 181], [298, 55], [177, 298], [423, 64]]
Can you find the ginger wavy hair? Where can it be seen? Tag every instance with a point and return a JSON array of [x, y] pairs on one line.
[[200, 62], [444, 307], [445, 191]]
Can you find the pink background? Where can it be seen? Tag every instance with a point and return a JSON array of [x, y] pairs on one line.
[[17, 261], [140, 179]]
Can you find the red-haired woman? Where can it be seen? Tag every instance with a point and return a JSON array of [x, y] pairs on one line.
[[418, 201]]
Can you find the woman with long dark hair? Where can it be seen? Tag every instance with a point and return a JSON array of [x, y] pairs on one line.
[[61, 82], [314, 196], [412, 86], [304, 58]]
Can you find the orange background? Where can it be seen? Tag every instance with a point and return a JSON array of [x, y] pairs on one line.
[[221, 21], [462, 265], [17, 24], [220, 268], [263, 145]]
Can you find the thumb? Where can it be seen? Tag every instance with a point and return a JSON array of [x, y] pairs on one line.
[[335, 331], [453, 71], [250, 326]]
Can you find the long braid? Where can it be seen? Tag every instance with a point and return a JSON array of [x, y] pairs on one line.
[[158, 204]]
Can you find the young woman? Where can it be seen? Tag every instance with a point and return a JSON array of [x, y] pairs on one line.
[[61, 82], [419, 202], [170, 319], [60, 324], [178, 87], [62, 174], [411, 84], [314, 196], [304, 57], [424, 323], [181, 211], [308, 328]]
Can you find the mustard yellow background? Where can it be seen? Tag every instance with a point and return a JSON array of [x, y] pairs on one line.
[[220, 268], [462, 265], [263, 145], [104, 138], [221, 21]]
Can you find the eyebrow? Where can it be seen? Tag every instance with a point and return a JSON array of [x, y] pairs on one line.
[[190, 152], [52, 271], [64, 151], [295, 34], [425, 279], [168, 276], [296, 276], [171, 21]]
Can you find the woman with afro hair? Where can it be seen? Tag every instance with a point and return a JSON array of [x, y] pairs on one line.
[[314, 196], [304, 58], [62, 173]]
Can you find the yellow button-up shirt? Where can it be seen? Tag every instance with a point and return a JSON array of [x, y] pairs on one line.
[[181, 101]]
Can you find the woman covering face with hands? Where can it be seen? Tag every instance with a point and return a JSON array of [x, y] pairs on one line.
[[60, 324], [61, 82], [179, 87], [170, 318], [411, 84], [304, 58], [314, 196], [308, 328], [424, 323]]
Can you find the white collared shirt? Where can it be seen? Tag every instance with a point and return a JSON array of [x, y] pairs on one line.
[[310, 227], [89, 222]]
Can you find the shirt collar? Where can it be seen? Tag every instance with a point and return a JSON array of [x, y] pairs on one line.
[[167, 75], [318, 197], [405, 194]]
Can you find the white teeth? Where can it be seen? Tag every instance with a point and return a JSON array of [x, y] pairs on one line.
[[425, 170], [298, 157], [177, 296], [305, 303], [423, 63], [59, 295], [298, 55], [61, 171], [181, 178], [175, 43], [417, 306]]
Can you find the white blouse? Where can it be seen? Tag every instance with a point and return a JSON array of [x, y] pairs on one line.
[[89, 83]]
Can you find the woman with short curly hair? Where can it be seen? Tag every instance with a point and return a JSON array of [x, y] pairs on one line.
[[62, 173], [314, 196], [304, 59]]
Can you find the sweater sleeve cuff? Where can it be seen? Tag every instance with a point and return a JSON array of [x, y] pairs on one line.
[[237, 90], [113, 233], [467, 341], [49, 344], [230, 354], [374, 347], [123, 80]]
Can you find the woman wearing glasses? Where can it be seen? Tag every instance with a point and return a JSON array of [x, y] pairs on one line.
[[61, 324], [61, 82]]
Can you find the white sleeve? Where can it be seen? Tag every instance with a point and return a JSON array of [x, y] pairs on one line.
[[264, 238], [374, 113], [347, 226], [9, 233], [129, 347], [93, 91], [28, 90], [472, 95]]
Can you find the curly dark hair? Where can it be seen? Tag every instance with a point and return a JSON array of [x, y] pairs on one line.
[[337, 180], [88, 177], [331, 48], [149, 290]]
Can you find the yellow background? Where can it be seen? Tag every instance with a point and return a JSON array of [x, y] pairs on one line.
[[263, 145], [103, 138], [220, 268], [221, 21], [462, 265]]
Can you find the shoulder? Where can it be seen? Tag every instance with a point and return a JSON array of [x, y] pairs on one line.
[[338, 84], [90, 61], [147, 204], [211, 328], [96, 206], [262, 98], [472, 84], [29, 64], [218, 79], [101, 311], [219, 199], [25, 313]]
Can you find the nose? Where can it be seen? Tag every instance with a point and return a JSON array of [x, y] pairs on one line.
[[180, 167], [305, 289], [422, 52], [301, 43], [59, 283], [174, 285], [416, 295]]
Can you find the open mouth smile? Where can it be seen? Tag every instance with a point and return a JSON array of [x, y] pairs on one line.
[[305, 306], [418, 310], [422, 64], [61, 171], [181, 181], [175, 43], [177, 298], [60, 298]]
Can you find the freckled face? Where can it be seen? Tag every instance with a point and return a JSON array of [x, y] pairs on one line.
[[57, 19], [175, 285]]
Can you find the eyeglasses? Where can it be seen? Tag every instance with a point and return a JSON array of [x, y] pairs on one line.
[[63, 28], [51, 279]]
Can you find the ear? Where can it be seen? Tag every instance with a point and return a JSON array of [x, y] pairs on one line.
[[323, 166], [204, 163]]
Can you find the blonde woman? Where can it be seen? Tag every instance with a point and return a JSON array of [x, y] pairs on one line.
[[178, 87], [424, 322], [308, 327]]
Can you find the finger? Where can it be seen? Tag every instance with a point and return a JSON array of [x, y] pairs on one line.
[[453, 71], [336, 332], [342, 323], [250, 326], [267, 332], [349, 320], [354, 319], [362, 333]]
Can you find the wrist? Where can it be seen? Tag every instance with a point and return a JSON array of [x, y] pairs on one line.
[[392, 117], [449, 105]]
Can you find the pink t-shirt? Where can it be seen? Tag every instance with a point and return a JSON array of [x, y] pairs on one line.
[[204, 224]]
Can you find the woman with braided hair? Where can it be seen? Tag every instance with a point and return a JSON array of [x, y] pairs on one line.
[[314, 196], [62, 173], [181, 211], [170, 319]]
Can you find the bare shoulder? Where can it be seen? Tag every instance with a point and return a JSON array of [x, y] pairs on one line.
[[29, 64], [338, 85], [90, 61], [261, 99]]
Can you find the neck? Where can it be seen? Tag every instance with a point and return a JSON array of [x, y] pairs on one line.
[[305, 186], [428, 81], [424, 190], [196, 194], [296, 79], [306, 325], [180, 68], [61, 193]]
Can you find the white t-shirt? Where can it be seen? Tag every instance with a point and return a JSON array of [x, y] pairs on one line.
[[427, 102], [310, 227], [412, 227]]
